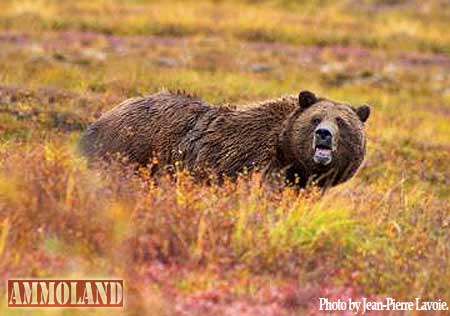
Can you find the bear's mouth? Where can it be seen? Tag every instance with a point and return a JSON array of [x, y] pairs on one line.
[[323, 154]]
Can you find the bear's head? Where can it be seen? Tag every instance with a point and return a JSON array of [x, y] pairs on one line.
[[324, 140]]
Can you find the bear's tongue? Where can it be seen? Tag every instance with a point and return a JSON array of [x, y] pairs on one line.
[[323, 156]]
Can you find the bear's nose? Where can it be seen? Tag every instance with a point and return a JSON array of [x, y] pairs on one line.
[[324, 134]]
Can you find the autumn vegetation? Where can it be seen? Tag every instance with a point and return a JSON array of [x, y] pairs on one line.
[[245, 247]]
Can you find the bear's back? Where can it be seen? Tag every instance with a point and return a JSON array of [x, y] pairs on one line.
[[137, 128]]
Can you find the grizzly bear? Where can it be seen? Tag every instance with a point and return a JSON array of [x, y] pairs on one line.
[[301, 139]]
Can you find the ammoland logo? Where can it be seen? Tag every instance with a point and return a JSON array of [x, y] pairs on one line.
[[65, 293]]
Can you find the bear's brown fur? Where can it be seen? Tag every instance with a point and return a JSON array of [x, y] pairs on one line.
[[275, 136]]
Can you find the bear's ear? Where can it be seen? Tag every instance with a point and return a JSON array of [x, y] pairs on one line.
[[363, 112], [306, 99]]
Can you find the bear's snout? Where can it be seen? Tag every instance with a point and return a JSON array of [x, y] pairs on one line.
[[324, 137], [324, 143]]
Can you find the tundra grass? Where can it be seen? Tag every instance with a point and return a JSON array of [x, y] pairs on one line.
[[185, 248]]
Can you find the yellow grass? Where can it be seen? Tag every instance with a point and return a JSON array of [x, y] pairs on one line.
[[385, 233]]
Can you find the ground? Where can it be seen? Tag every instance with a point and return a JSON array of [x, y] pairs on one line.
[[242, 248]]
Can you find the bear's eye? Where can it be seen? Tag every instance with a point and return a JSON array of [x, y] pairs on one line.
[[316, 121], [341, 122]]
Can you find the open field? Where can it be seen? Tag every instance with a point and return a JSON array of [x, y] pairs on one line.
[[241, 248]]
